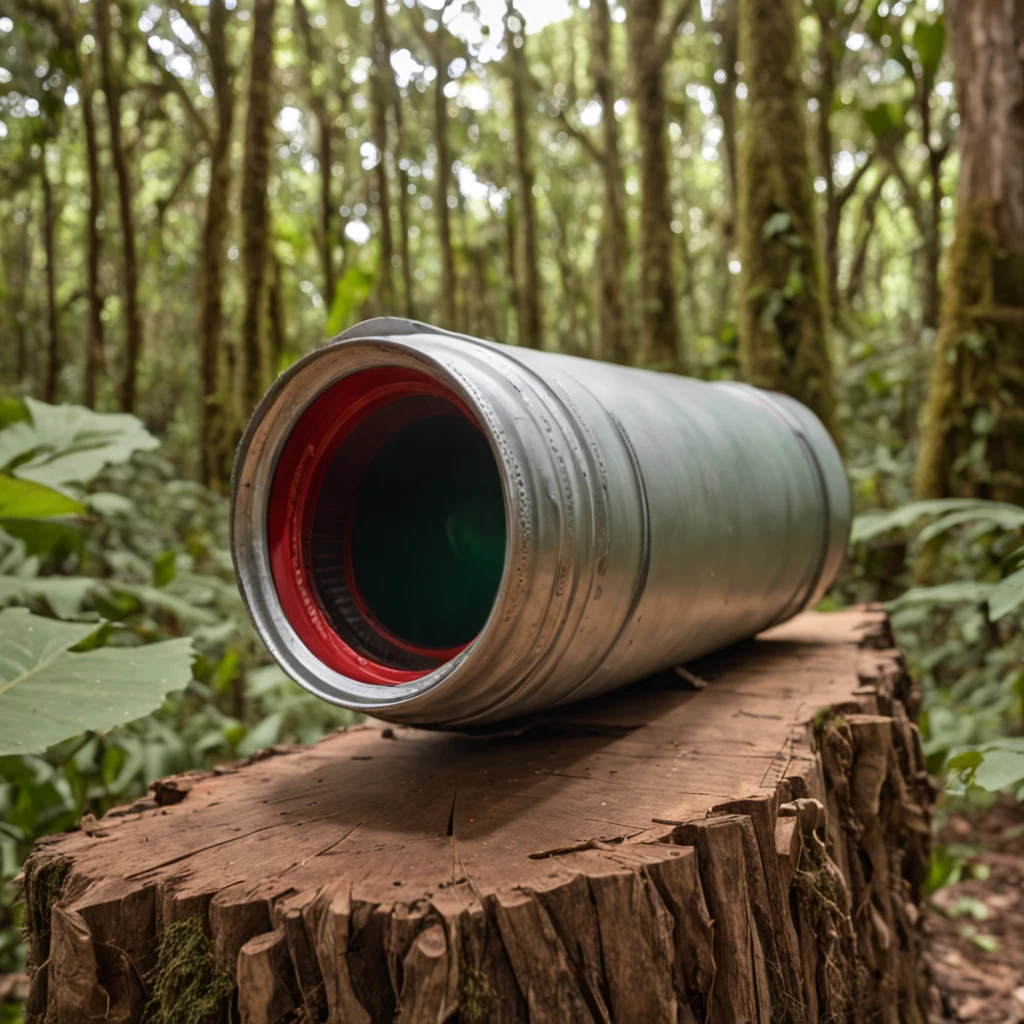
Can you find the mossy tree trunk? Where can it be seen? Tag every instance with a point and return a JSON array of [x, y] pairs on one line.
[[255, 214], [783, 309], [529, 311], [973, 441]]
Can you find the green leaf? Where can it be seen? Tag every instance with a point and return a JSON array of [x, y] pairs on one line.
[[999, 769], [67, 445], [777, 223], [66, 595], [959, 592], [23, 499], [48, 693], [266, 734], [964, 761], [930, 42], [165, 568], [1007, 595], [872, 524], [885, 121]]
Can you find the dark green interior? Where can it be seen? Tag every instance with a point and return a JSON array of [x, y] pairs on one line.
[[428, 540]]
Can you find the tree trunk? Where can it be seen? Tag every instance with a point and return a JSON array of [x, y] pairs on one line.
[[649, 51], [403, 207], [94, 320], [125, 200], [973, 440], [615, 344], [213, 454], [511, 259], [828, 40], [783, 320], [255, 214], [325, 156], [869, 214], [449, 283], [529, 310], [665, 855], [932, 254], [276, 316], [383, 82], [53, 350]]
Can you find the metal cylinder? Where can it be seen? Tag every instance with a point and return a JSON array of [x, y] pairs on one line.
[[438, 530]]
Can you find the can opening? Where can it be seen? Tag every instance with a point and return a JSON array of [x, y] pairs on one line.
[[386, 526]]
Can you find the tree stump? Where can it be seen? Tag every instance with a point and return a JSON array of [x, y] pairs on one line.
[[742, 840]]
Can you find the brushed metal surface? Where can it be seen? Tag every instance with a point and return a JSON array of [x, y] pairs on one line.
[[651, 518]]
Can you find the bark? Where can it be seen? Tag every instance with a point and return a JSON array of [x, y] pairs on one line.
[[382, 83], [973, 440], [528, 275], [615, 341], [125, 200], [650, 47], [325, 155], [783, 318], [94, 300], [53, 349], [213, 453], [579, 893], [255, 213]]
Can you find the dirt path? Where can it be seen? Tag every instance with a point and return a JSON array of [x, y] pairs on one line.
[[976, 927]]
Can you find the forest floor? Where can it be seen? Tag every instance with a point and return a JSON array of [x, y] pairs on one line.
[[975, 928]]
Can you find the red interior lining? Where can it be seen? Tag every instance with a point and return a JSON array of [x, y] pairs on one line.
[[297, 481]]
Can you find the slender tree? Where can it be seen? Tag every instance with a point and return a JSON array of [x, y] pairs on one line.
[[255, 215], [213, 457], [613, 323], [53, 351], [783, 313], [404, 223], [436, 43], [973, 440], [94, 300], [110, 74], [835, 22], [528, 275], [382, 82], [317, 92], [650, 45]]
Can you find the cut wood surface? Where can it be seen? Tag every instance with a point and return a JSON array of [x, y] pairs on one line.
[[743, 841]]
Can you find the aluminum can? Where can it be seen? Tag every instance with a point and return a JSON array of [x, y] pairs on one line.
[[443, 531]]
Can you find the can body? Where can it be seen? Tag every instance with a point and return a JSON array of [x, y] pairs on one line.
[[648, 519]]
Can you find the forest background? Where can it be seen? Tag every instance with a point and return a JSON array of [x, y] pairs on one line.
[[822, 197]]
